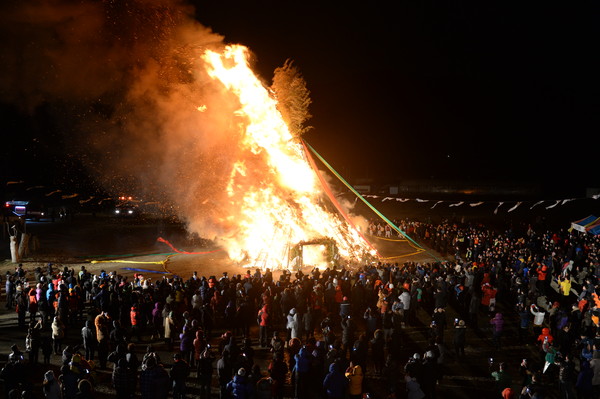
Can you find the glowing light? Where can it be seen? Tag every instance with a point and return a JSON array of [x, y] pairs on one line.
[[286, 205]]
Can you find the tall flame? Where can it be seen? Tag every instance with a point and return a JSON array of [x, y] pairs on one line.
[[286, 205]]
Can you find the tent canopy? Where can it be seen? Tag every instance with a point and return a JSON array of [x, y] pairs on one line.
[[594, 228], [584, 224]]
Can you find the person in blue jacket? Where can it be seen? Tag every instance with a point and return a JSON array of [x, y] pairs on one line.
[[239, 387], [335, 382]]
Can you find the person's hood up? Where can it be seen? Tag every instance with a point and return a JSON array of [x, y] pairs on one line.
[[49, 375], [334, 368], [357, 370], [585, 365], [498, 316], [199, 334], [304, 351], [89, 324], [508, 393], [545, 331]]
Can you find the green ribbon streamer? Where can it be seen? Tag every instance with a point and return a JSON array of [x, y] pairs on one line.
[[364, 200]]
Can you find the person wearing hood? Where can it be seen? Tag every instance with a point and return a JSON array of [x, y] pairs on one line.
[[413, 388], [118, 335], [102, 323], [118, 354], [497, 327], [508, 393], [69, 380], [84, 389], [51, 386], [545, 337], [231, 349], [239, 387], [583, 384], [301, 371], [157, 321], [123, 380], [186, 344], [88, 335], [293, 324], [335, 382], [154, 380], [354, 374]]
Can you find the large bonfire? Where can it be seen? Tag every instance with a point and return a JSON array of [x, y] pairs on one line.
[[173, 114], [287, 205]]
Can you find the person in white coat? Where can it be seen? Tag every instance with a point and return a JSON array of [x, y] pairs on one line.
[[538, 319], [293, 325]]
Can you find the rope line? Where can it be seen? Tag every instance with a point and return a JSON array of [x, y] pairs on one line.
[[389, 222]]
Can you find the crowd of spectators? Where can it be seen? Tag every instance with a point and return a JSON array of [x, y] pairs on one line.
[[331, 333]]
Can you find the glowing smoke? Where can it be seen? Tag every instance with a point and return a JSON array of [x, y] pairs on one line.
[[136, 100]]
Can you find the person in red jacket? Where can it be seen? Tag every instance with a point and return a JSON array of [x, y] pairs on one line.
[[263, 325], [136, 323]]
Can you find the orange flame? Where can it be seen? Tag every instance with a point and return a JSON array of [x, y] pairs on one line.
[[286, 205]]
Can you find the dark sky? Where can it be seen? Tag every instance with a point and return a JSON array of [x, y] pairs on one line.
[[404, 90], [473, 90]]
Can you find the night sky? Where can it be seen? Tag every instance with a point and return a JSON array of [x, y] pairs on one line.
[[464, 90], [405, 90]]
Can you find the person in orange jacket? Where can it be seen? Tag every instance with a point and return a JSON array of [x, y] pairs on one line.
[[488, 297], [542, 273], [545, 337]]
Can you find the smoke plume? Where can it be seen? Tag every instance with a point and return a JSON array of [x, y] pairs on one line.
[[126, 81]]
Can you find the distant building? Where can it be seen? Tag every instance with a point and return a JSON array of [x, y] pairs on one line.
[[448, 188]]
